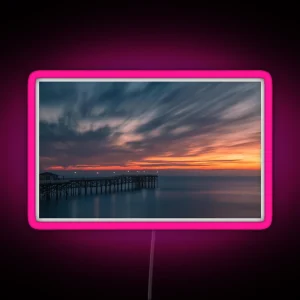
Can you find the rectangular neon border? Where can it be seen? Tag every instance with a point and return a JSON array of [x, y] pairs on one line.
[[110, 225]]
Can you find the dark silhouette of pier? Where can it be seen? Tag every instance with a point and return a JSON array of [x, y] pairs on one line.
[[77, 186]]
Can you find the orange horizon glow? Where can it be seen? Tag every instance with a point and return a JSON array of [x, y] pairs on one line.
[[139, 168], [220, 159]]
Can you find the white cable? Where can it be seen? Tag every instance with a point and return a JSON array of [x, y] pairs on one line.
[[151, 265]]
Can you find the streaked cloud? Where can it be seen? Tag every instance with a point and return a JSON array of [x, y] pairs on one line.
[[185, 125]]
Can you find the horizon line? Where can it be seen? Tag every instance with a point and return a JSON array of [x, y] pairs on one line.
[[152, 170]]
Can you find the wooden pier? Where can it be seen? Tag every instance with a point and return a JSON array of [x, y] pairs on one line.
[[87, 186]]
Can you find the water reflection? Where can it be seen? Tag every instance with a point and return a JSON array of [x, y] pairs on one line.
[[151, 207], [144, 194], [74, 208], [175, 198], [113, 205], [157, 193], [128, 206], [97, 207]]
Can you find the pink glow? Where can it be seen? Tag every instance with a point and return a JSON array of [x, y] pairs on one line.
[[150, 225]]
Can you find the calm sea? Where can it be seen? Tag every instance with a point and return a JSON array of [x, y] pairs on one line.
[[175, 197]]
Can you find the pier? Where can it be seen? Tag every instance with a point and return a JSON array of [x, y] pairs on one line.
[[62, 188]]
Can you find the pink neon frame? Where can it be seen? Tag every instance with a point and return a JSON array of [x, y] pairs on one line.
[[150, 225]]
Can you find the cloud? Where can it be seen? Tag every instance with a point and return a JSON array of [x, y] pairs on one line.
[[104, 124]]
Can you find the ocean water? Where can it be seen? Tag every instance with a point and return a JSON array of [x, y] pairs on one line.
[[175, 197]]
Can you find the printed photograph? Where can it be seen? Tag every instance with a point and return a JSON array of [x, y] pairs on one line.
[[150, 149]]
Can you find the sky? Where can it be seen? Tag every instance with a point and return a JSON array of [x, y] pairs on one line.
[[202, 126]]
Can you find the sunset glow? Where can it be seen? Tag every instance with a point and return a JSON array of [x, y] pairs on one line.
[[150, 126]]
